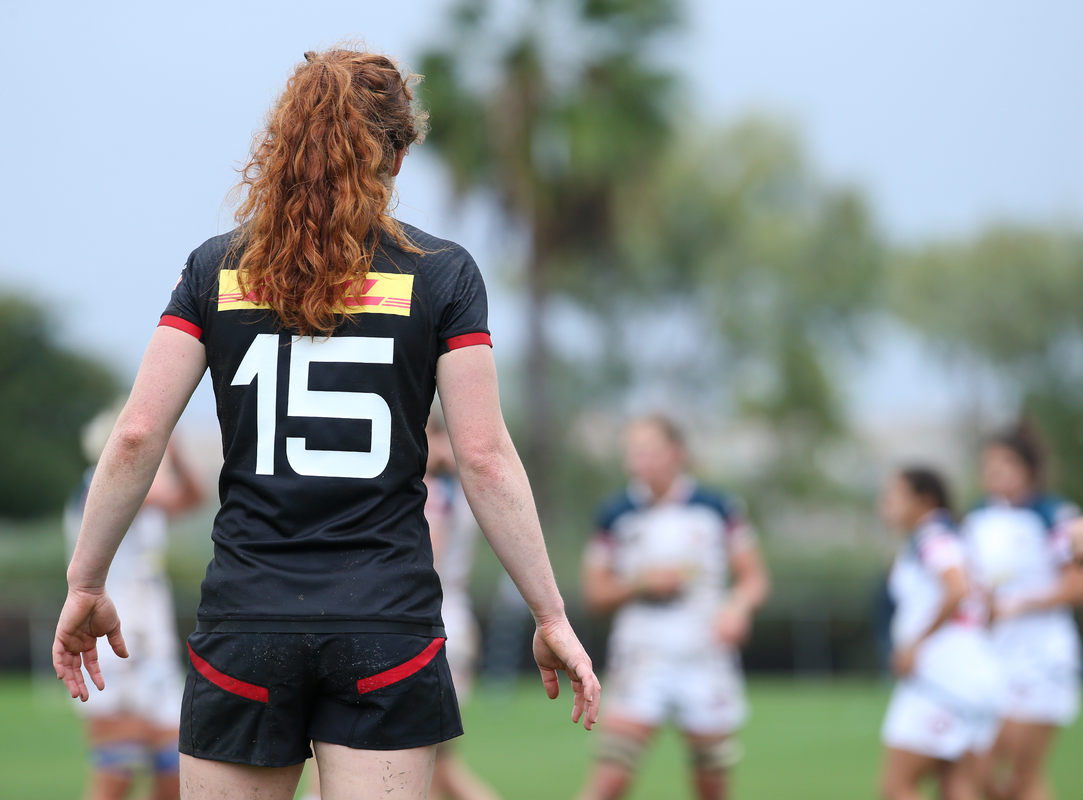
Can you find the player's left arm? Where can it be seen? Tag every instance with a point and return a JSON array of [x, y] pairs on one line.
[[750, 589], [172, 367], [1066, 545], [954, 584], [1068, 591], [1074, 531], [175, 488]]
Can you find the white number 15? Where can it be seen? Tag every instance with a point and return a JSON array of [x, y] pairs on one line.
[[261, 361]]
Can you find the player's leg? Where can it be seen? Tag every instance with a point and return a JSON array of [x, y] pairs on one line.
[[349, 774], [312, 780], [711, 759], [165, 763], [959, 780], [618, 752], [118, 750], [709, 694], [159, 688], [902, 773], [452, 778], [1023, 746], [203, 779]]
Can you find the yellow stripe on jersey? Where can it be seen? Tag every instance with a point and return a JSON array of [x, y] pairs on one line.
[[382, 294]]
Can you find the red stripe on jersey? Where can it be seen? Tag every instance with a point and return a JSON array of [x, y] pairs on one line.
[[402, 671], [180, 324], [223, 681], [468, 339]]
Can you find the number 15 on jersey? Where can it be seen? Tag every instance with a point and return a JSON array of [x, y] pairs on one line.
[[260, 363]]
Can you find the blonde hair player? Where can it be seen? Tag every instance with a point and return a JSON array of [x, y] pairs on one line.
[[679, 567], [327, 326], [134, 727]]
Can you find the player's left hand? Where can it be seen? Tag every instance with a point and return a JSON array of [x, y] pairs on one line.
[[902, 660], [732, 625], [86, 616], [557, 649], [1075, 536], [1006, 609]]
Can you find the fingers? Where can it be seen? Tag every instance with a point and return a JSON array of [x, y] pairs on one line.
[[73, 679], [588, 693], [550, 682], [116, 641], [592, 693], [90, 661]]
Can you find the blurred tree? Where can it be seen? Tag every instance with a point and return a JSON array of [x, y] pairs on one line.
[[557, 114], [1009, 298], [47, 394], [781, 264]]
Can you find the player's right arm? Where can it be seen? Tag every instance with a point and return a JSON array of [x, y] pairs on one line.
[[175, 488], [604, 591], [171, 369], [499, 493]]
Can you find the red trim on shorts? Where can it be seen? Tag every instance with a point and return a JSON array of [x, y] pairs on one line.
[[223, 681], [181, 324], [468, 339], [402, 671]]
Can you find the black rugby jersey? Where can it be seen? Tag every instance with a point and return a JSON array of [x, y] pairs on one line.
[[322, 513]]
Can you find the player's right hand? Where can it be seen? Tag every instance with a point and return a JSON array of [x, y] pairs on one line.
[[662, 583], [86, 616], [557, 649]]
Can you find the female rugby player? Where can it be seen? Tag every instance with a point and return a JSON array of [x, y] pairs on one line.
[[680, 568], [943, 713], [327, 326], [1018, 538]]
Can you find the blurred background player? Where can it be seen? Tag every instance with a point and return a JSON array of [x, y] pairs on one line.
[[943, 713], [680, 567], [133, 727], [1017, 538], [454, 533]]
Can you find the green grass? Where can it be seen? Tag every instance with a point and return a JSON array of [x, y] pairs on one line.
[[807, 740]]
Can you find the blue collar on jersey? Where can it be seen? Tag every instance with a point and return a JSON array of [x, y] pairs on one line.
[[937, 519], [684, 486]]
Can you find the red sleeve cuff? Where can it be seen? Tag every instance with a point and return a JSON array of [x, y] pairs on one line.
[[181, 324], [468, 339]]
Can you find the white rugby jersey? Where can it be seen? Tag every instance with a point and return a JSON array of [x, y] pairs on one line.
[[956, 662], [916, 582], [141, 555], [692, 529], [447, 502], [1018, 555]]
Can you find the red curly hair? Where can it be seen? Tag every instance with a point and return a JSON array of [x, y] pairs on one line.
[[318, 186]]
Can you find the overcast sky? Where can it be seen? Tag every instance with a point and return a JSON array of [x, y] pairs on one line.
[[123, 123]]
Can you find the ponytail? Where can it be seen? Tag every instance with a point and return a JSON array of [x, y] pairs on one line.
[[318, 186]]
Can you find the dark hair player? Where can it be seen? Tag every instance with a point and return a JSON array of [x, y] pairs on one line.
[[327, 326]]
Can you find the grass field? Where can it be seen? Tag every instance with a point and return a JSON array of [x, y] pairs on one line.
[[807, 741]]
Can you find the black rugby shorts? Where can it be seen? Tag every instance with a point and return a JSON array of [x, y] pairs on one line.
[[260, 698]]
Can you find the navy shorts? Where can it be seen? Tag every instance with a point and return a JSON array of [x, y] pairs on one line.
[[261, 698]]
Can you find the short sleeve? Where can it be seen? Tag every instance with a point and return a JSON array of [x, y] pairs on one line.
[[1060, 539], [740, 532], [465, 318], [602, 548], [185, 311], [942, 551]]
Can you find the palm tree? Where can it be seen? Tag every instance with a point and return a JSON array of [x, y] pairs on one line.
[[555, 115]]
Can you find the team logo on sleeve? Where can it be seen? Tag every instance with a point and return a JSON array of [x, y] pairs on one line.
[[381, 294]]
